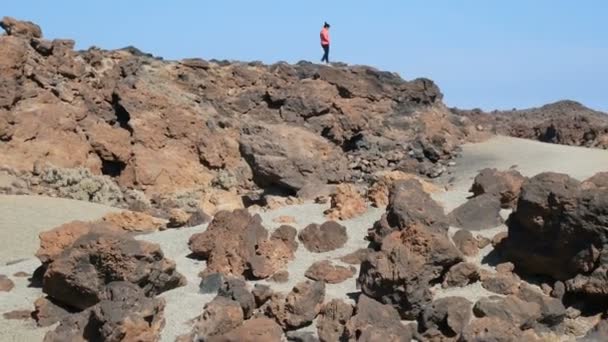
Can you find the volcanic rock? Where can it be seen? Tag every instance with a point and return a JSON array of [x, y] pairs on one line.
[[299, 308], [123, 314], [78, 275], [408, 205], [5, 283], [331, 324], [236, 243], [346, 203], [446, 317], [323, 238], [503, 185], [407, 265], [478, 213], [374, 321], [329, 273]]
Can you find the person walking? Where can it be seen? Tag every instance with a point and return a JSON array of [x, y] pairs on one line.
[[325, 43]]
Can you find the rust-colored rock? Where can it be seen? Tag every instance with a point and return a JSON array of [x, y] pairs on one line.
[[323, 238], [329, 273], [299, 308], [461, 275], [378, 193], [285, 219], [346, 203], [331, 324], [503, 185], [236, 243], [78, 275], [356, 257], [131, 221], [25, 29], [5, 283], [253, 330], [123, 314], [220, 316]]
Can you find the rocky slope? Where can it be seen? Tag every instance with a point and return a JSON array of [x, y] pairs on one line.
[[564, 122], [127, 129]]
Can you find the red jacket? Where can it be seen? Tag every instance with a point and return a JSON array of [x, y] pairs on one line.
[[324, 37]]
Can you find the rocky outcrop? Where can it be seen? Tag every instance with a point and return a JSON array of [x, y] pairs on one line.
[[123, 314], [78, 275], [564, 122], [133, 122], [236, 243]]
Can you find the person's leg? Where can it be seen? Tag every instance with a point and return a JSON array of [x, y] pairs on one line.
[[325, 53]]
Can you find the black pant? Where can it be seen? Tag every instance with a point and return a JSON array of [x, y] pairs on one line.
[[325, 54]]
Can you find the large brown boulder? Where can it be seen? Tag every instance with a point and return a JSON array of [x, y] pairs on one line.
[[402, 272], [77, 276], [290, 157], [558, 230], [408, 205], [123, 314], [504, 185], [236, 243]]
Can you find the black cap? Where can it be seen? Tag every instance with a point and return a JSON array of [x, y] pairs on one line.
[[326, 25]]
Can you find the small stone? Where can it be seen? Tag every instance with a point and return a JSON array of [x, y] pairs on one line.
[[177, 218], [21, 274], [506, 267], [356, 257], [280, 277], [6, 284], [482, 242], [284, 219], [559, 290], [329, 273]]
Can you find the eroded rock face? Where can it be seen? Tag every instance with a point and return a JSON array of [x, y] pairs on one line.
[[236, 243], [77, 276], [408, 205], [323, 238], [558, 230], [123, 314], [171, 127], [402, 271], [504, 185]]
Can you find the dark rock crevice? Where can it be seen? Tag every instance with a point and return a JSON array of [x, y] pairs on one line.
[[122, 115]]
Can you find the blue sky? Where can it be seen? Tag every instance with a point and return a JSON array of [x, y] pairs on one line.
[[482, 53]]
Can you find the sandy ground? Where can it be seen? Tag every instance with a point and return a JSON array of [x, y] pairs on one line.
[[22, 218]]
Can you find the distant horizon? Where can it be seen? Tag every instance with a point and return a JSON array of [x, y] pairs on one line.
[[492, 56]]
